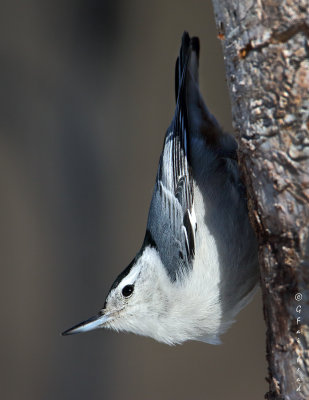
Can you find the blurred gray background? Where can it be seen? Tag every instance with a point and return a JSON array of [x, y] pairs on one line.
[[87, 92]]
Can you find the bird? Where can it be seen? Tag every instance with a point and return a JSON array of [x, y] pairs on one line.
[[198, 265]]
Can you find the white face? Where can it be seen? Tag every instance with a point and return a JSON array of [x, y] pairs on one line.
[[138, 302], [122, 296]]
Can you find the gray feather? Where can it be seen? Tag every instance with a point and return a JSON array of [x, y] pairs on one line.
[[169, 219]]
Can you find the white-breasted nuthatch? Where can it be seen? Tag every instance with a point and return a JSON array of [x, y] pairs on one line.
[[197, 267]]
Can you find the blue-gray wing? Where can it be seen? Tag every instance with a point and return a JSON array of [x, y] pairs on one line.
[[171, 220]]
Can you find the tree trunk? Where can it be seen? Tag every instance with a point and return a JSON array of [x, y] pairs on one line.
[[266, 52]]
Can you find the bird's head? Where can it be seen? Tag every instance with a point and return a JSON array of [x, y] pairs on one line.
[[136, 301]]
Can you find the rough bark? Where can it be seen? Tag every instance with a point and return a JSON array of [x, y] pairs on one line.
[[266, 50]]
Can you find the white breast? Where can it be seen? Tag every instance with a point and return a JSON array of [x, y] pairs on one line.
[[201, 287]]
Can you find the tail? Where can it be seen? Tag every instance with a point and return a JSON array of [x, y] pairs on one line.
[[188, 60], [188, 97]]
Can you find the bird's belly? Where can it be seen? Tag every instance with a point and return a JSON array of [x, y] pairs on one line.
[[202, 286]]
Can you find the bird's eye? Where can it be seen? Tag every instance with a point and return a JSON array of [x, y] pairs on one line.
[[127, 290]]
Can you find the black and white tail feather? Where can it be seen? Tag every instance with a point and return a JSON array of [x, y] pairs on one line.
[[197, 266]]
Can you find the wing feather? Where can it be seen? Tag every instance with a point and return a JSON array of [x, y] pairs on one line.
[[170, 217]]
